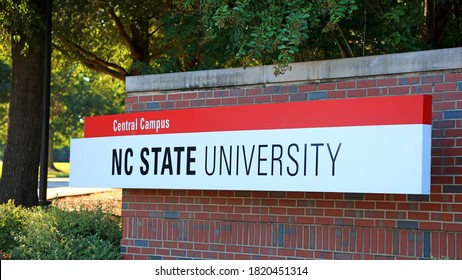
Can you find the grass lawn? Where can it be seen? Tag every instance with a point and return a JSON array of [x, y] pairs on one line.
[[63, 167]]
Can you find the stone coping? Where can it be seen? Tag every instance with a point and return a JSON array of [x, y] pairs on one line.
[[411, 62]]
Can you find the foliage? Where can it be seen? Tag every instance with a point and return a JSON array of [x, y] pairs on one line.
[[78, 92], [34, 233], [5, 72], [17, 18], [121, 38], [12, 222], [270, 31], [281, 32]]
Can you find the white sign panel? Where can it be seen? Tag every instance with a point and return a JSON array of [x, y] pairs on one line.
[[373, 158]]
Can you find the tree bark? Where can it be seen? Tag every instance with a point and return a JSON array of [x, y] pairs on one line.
[[22, 152], [438, 13]]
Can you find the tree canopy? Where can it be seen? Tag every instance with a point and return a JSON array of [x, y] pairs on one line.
[[118, 38], [281, 32], [121, 38]]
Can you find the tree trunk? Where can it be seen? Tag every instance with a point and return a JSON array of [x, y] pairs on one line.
[[22, 152], [438, 15]]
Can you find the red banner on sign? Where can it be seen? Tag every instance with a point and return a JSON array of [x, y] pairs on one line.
[[395, 110]]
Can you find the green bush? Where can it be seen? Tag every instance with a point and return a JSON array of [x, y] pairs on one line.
[[58, 234], [12, 223]]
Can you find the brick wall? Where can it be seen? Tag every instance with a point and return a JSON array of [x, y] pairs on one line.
[[192, 224]]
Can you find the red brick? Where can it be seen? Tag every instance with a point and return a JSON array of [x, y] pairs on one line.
[[387, 82], [443, 106], [229, 101], [429, 206], [174, 96], [453, 77], [442, 217], [408, 206], [456, 170], [373, 92], [344, 204], [214, 101], [158, 97], [374, 214], [307, 88], [388, 241], [459, 246], [314, 212], [442, 245], [453, 95], [324, 255], [325, 203], [374, 196], [327, 86], [287, 202], [242, 209], [190, 95], [364, 222], [451, 251], [442, 198], [333, 94], [396, 197], [333, 212], [145, 98], [437, 115], [412, 80], [304, 254], [304, 220], [432, 79], [418, 216], [385, 223], [204, 94], [286, 252], [442, 179], [424, 89], [324, 221], [251, 218], [357, 93], [131, 99], [333, 196], [452, 227], [182, 104], [279, 98], [344, 85], [253, 91], [298, 195], [446, 87], [221, 93], [295, 211], [245, 100], [263, 99], [399, 90], [366, 83], [197, 103], [385, 205], [315, 195]]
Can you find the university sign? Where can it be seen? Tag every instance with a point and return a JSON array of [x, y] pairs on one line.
[[365, 145]]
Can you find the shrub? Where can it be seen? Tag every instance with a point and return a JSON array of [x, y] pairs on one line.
[[63, 234], [12, 222]]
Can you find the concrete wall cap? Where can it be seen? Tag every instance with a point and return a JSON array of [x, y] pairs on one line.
[[433, 60]]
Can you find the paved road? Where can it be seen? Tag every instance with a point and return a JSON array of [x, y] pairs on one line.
[[59, 187], [58, 182]]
